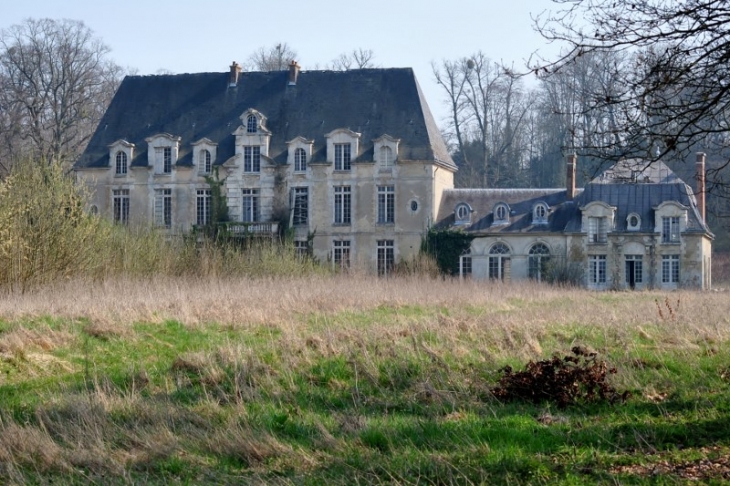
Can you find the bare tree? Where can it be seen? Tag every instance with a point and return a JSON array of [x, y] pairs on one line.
[[357, 59], [674, 94], [275, 58], [55, 83]]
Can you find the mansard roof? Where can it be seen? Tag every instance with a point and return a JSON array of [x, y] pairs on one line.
[[196, 106], [631, 186]]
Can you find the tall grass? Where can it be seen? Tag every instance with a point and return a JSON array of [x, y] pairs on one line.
[[46, 235]]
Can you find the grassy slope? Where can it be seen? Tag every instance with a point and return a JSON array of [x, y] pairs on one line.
[[353, 381]]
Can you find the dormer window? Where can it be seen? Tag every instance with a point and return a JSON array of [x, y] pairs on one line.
[[206, 161], [300, 160], [343, 156], [501, 213], [163, 152], [462, 213], [633, 222], [342, 148], [163, 159], [386, 157], [204, 154], [251, 124], [121, 163], [540, 213], [386, 151]]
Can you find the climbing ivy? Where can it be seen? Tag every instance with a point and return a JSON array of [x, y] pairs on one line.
[[446, 246], [218, 205]]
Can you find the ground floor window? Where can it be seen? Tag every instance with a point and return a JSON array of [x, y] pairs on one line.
[[202, 207], [670, 269], [386, 257], [163, 208], [538, 260], [301, 247], [341, 254], [465, 264], [120, 200], [499, 262], [250, 205], [634, 270], [597, 270]]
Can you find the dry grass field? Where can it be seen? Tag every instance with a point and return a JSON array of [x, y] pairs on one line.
[[332, 379]]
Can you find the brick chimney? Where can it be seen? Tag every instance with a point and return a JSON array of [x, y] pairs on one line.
[[572, 160], [233, 78], [700, 176], [293, 73]]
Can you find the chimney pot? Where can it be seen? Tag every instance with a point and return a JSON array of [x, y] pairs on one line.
[[572, 161], [233, 77], [700, 176], [293, 73]]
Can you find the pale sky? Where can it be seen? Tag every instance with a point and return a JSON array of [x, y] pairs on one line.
[[184, 36]]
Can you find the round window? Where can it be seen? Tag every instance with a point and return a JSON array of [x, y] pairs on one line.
[[414, 206], [462, 212], [634, 221]]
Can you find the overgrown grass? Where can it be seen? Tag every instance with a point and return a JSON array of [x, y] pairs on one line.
[[352, 380]]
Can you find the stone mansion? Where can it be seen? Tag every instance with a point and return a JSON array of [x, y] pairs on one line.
[[354, 164]]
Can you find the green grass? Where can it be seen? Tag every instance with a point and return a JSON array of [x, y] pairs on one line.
[[342, 398]]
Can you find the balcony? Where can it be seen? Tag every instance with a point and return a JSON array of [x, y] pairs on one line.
[[252, 229]]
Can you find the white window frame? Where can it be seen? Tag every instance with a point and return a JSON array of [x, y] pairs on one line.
[[633, 227], [500, 262], [121, 163], [465, 264], [462, 213], [501, 213], [386, 204], [163, 208], [597, 230], [120, 206], [386, 157], [163, 156], [251, 159], [250, 206], [300, 206], [203, 201], [540, 213], [341, 254], [670, 229], [300, 160], [539, 256], [385, 257], [205, 159], [252, 124], [597, 268], [670, 269], [343, 156], [343, 205]]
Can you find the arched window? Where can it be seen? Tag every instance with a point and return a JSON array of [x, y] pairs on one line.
[[386, 157], [499, 262], [633, 222], [206, 162], [539, 258], [540, 213], [501, 213], [465, 264], [121, 160], [462, 213], [251, 124], [300, 160]]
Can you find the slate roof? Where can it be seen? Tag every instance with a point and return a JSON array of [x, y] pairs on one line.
[[372, 102], [630, 186]]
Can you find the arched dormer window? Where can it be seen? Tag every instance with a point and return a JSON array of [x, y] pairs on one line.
[[206, 161], [386, 157], [501, 213], [462, 213], [633, 222], [300, 160], [121, 163], [540, 213], [251, 124]]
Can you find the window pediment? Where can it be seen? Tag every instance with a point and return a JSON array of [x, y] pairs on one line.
[[299, 153], [253, 122], [121, 153], [385, 150]]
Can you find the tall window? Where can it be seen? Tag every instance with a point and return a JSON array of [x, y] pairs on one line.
[[386, 257], [252, 158], [386, 204], [597, 270], [465, 264], [251, 124], [164, 159], [343, 204], [202, 207], [300, 160], [121, 162], [120, 200], [341, 254], [670, 269], [163, 208], [386, 157], [670, 229], [539, 258], [206, 162], [499, 262], [634, 270], [250, 205], [300, 206], [342, 156], [597, 230]]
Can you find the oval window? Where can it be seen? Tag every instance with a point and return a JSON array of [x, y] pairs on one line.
[[414, 206]]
